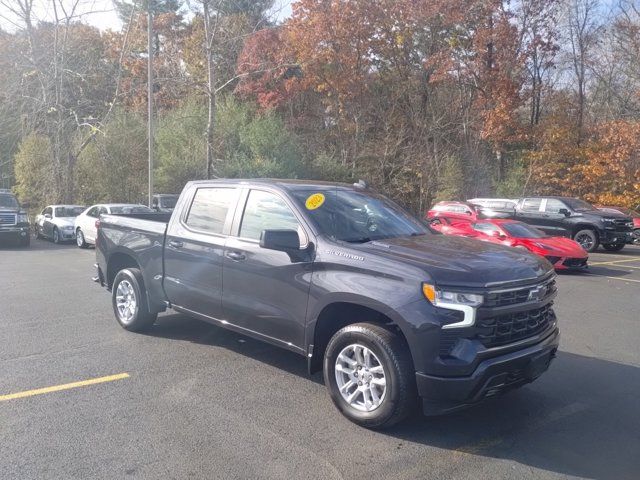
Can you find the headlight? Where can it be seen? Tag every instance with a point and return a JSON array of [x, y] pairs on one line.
[[608, 220], [23, 218], [467, 303], [444, 298]]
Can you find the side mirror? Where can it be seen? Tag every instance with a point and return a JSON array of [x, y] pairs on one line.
[[564, 212], [47, 216], [497, 234], [281, 240]]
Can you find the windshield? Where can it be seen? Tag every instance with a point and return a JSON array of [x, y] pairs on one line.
[[357, 217], [131, 209], [578, 205], [8, 201], [68, 211], [522, 230], [168, 202]]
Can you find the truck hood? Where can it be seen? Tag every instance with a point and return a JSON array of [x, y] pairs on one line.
[[459, 261]]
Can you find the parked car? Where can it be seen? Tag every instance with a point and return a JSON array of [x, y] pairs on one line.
[[467, 211], [14, 221], [495, 207], [55, 222], [563, 253], [85, 223], [164, 202], [389, 310], [634, 214], [578, 220]]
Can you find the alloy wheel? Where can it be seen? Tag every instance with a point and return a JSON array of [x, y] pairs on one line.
[[126, 302], [360, 377]]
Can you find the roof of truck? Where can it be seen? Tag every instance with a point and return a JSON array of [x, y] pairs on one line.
[[289, 184]]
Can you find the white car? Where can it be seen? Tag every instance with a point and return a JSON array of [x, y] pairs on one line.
[[85, 224], [56, 222]]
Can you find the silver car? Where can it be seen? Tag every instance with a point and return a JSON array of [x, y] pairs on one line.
[[55, 222]]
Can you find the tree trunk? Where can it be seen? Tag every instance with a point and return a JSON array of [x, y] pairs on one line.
[[211, 93]]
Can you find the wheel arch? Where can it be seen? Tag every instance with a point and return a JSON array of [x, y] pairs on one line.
[[339, 313], [584, 226]]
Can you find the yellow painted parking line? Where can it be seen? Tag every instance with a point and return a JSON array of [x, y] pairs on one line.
[[616, 261], [66, 386], [623, 279]]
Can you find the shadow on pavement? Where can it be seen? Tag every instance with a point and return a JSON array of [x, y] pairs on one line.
[[176, 326], [582, 418]]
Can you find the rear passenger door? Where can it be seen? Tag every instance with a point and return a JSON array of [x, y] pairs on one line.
[[266, 291], [530, 211], [554, 222], [194, 250]]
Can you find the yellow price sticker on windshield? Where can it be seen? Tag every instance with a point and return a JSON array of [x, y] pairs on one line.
[[314, 201]]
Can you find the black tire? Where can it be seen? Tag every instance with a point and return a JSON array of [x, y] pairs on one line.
[[588, 239], [56, 236], [80, 241], [392, 351], [25, 241], [141, 318], [37, 232], [613, 247], [636, 236]]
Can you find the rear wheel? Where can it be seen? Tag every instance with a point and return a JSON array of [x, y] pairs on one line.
[[588, 239], [370, 376], [129, 301], [613, 247]]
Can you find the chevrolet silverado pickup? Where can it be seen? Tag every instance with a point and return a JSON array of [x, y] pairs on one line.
[[14, 221], [394, 314]]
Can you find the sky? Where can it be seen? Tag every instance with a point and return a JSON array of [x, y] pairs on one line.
[[101, 13]]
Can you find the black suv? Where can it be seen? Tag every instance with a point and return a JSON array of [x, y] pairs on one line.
[[14, 222], [576, 219]]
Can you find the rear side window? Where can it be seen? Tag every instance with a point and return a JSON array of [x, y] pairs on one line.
[[532, 205], [209, 209], [487, 228], [264, 211]]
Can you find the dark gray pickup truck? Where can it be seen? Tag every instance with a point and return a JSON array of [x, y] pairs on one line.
[[391, 312]]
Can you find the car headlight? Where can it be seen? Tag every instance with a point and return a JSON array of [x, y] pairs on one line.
[[445, 298], [608, 220], [467, 303], [23, 218]]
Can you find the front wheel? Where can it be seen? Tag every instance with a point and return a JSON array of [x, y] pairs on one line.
[[588, 240], [613, 247], [80, 241], [370, 376], [129, 301], [37, 232], [56, 236], [636, 236]]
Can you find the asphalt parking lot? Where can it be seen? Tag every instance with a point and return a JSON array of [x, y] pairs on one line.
[[190, 400]]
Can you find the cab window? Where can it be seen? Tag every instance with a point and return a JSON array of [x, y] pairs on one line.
[[267, 211], [209, 209], [554, 206], [531, 205]]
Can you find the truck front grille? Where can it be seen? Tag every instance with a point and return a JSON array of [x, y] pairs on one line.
[[7, 219], [500, 330], [515, 296]]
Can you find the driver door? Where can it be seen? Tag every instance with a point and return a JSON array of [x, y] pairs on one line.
[[266, 291]]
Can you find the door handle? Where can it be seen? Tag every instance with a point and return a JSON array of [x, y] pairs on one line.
[[235, 256], [176, 243]]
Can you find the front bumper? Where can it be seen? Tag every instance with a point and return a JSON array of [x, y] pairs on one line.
[[490, 378], [568, 263], [615, 237], [14, 232], [67, 235]]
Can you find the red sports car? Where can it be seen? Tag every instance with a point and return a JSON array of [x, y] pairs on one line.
[[563, 253]]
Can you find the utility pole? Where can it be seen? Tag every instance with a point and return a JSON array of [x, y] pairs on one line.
[[150, 95]]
